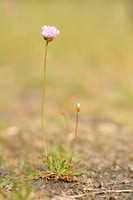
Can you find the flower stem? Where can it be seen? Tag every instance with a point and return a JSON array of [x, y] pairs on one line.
[[44, 140], [75, 133]]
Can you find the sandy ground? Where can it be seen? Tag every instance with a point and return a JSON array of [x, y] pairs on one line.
[[103, 145]]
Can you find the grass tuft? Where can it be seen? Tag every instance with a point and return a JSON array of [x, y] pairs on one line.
[[54, 167]]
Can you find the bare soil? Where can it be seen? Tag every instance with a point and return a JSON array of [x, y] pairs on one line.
[[104, 146]]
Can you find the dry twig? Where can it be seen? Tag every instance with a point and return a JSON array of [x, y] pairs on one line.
[[102, 192]]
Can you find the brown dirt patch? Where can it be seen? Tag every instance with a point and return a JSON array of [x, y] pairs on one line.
[[106, 148]]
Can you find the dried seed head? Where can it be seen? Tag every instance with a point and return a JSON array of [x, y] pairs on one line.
[[78, 107]]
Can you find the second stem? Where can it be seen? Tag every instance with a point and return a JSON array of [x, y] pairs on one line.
[[75, 133]]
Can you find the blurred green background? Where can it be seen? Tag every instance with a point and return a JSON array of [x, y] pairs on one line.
[[90, 62]]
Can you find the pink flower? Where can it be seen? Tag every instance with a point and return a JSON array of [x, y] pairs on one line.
[[49, 32], [78, 107]]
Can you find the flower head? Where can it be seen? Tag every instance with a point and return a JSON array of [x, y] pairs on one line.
[[49, 32], [78, 107]]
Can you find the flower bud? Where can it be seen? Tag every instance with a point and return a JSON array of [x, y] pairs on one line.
[[63, 112], [78, 107]]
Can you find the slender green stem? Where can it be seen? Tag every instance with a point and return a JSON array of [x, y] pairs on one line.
[[75, 134], [44, 140]]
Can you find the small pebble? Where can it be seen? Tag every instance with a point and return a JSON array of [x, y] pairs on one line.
[[130, 167]]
